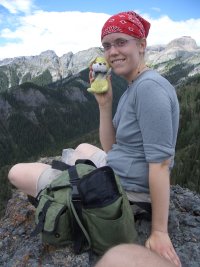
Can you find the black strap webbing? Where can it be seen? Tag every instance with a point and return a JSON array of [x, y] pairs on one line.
[[40, 226], [73, 174], [59, 165], [78, 235]]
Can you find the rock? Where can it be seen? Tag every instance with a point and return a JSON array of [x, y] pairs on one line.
[[18, 248], [184, 43]]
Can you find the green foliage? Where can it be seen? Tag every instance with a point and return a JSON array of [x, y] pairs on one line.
[[176, 71], [4, 82], [29, 137], [26, 77], [5, 188], [14, 79], [43, 79], [187, 168]]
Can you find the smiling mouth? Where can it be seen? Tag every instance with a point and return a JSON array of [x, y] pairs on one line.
[[117, 61]]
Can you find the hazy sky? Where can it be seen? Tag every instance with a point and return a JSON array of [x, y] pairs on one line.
[[28, 27]]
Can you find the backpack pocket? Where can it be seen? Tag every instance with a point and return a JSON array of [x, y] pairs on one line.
[[106, 212], [98, 188], [109, 226], [53, 220]]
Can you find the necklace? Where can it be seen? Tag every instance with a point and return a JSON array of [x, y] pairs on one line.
[[143, 69], [139, 72]]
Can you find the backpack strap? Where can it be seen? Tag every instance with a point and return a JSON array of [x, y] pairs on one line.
[[40, 226], [80, 234], [59, 165]]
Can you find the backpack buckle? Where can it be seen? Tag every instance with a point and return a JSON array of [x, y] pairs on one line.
[[75, 194]]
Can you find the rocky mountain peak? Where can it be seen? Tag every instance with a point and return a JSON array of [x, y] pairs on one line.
[[21, 69], [184, 49], [183, 43], [15, 71]]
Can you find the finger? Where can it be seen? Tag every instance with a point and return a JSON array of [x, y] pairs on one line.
[[174, 257], [166, 256], [90, 75], [147, 244], [108, 77]]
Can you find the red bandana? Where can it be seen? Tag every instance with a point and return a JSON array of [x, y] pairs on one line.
[[126, 22]]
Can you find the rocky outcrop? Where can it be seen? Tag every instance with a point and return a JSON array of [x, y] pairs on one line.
[[184, 50], [18, 248], [184, 43]]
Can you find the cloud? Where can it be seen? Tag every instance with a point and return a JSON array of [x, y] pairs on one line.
[[15, 6], [58, 31], [76, 31], [164, 29]]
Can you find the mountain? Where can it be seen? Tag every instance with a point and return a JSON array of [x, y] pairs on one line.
[[44, 68], [41, 116], [56, 113], [48, 67], [178, 60]]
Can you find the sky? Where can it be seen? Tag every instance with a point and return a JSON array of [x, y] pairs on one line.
[[29, 27]]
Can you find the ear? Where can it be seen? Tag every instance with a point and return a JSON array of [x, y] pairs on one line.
[[142, 45]]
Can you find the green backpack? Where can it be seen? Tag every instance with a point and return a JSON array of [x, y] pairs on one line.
[[87, 206]]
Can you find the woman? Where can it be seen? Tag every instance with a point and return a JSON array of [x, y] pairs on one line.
[[139, 143]]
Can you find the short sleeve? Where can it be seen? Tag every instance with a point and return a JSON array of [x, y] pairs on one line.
[[154, 114]]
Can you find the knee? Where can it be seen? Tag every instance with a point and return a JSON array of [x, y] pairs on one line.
[[87, 149], [121, 255], [14, 173], [112, 257], [82, 147]]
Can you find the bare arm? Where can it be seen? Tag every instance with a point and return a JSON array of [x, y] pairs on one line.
[[160, 191], [159, 184], [106, 128]]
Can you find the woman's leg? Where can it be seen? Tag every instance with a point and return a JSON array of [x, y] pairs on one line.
[[85, 151], [25, 176], [132, 256]]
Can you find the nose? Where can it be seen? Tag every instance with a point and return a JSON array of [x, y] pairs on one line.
[[113, 49]]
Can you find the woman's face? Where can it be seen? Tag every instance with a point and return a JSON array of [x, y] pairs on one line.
[[124, 53]]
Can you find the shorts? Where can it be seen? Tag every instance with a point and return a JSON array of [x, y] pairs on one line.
[[69, 156]]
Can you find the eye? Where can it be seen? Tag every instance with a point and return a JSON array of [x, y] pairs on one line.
[[121, 42], [106, 46]]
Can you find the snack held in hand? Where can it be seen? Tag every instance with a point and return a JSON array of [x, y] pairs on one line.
[[100, 69]]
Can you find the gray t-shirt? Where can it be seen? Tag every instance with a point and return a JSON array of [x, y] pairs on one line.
[[146, 123]]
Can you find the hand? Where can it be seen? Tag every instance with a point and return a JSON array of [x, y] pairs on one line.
[[160, 243], [103, 99]]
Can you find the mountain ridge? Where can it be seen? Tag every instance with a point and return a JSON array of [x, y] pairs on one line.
[[15, 71]]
